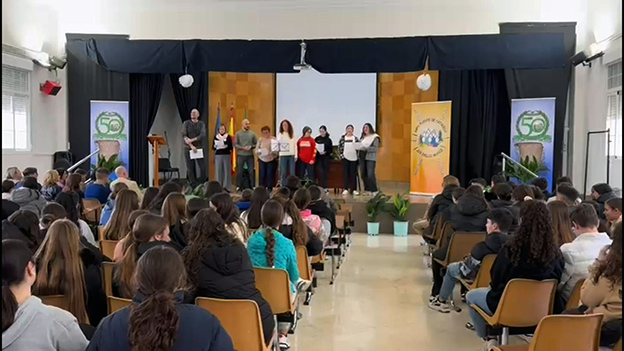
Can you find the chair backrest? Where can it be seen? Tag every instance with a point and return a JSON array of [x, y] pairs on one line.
[[326, 226], [274, 286], [101, 232], [447, 230], [484, 278], [240, 318], [108, 247], [618, 346], [303, 263], [575, 296], [461, 244], [525, 302], [340, 221], [164, 164], [116, 303], [437, 229], [92, 210], [568, 333], [59, 301], [107, 277]]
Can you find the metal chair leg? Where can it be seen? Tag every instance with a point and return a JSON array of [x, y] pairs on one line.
[[505, 337]]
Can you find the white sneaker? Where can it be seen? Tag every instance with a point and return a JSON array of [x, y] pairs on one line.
[[439, 306], [345, 192], [284, 344], [355, 192], [490, 344]]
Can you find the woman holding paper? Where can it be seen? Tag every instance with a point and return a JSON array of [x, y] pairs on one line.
[[267, 150], [223, 157], [324, 147], [287, 150], [348, 155], [368, 158], [306, 150]]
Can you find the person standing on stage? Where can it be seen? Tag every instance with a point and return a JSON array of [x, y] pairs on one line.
[[348, 155], [368, 158], [223, 158], [287, 151], [306, 150], [267, 158], [323, 157], [194, 134], [245, 142]]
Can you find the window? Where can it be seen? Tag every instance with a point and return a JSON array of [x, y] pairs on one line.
[[15, 108], [614, 107]]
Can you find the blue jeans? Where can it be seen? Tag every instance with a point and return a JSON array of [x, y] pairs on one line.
[[450, 278], [267, 174], [478, 297], [286, 167]]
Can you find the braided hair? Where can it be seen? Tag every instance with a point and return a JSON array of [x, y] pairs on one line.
[[272, 214]]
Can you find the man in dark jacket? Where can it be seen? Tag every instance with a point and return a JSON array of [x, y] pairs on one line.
[[440, 203], [320, 207], [498, 223]]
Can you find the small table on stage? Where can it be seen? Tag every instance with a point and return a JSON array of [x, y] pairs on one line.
[[156, 141]]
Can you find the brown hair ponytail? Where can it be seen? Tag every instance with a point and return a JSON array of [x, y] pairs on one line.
[[154, 321]]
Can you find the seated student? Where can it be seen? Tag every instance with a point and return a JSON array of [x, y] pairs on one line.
[[302, 200], [218, 266], [122, 177], [503, 192], [293, 183], [613, 211], [149, 230], [71, 202], [123, 243], [294, 228], [537, 193], [50, 188], [148, 196], [245, 200], [603, 225], [28, 324], [600, 193], [583, 251], [126, 202], [223, 204], [602, 291], [183, 183], [23, 225], [490, 195], [157, 320], [66, 268], [561, 180], [498, 223], [194, 205], [99, 190], [33, 173], [282, 192], [480, 182], [569, 195], [107, 211], [530, 253], [561, 223], [156, 205], [320, 208], [268, 248], [28, 196], [62, 176], [251, 217], [542, 184], [174, 211], [439, 203], [212, 188], [7, 189]]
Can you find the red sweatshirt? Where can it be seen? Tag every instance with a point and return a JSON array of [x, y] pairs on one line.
[[306, 148]]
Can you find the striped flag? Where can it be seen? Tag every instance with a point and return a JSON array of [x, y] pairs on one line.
[[218, 123], [231, 132]]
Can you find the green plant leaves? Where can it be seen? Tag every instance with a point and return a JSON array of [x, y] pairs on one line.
[[531, 163], [399, 207], [109, 164], [375, 205]]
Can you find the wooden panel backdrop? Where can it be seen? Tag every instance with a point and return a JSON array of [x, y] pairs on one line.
[[396, 93], [253, 91]]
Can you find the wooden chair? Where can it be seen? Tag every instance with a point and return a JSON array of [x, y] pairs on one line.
[[446, 232], [575, 296], [116, 303], [460, 246], [483, 278], [241, 319], [108, 247], [618, 346], [107, 277], [523, 304], [101, 232], [274, 285], [92, 210], [563, 333], [305, 270], [59, 301], [436, 232]]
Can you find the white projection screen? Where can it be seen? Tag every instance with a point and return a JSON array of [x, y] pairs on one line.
[[310, 98]]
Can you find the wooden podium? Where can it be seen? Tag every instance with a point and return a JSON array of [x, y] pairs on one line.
[[156, 141]]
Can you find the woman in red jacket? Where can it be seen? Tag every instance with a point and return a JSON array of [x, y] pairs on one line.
[[306, 150]]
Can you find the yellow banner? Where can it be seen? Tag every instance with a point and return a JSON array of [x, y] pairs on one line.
[[431, 146]]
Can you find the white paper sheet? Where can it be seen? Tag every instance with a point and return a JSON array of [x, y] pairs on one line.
[[219, 144], [320, 147], [197, 154], [274, 146], [284, 146]]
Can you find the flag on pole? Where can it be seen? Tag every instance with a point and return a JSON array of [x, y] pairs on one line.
[[231, 132], [218, 123]]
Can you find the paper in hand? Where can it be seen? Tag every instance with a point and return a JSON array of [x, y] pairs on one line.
[[284, 146], [196, 154], [320, 147], [274, 146], [219, 144]]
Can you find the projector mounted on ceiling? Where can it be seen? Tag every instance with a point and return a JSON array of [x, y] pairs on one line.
[[302, 65]]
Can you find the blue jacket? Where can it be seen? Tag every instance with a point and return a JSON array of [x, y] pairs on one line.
[[107, 212], [285, 254], [198, 330], [97, 191]]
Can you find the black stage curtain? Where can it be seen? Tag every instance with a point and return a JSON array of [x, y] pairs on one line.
[[553, 82], [480, 121], [145, 93], [195, 96]]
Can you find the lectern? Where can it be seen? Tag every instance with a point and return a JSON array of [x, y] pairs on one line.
[[156, 141]]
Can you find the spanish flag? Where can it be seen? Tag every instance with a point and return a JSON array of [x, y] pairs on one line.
[[231, 132]]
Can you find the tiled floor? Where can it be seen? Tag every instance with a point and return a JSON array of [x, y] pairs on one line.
[[379, 302]]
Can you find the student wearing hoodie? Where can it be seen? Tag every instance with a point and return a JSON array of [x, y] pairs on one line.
[[498, 223], [323, 157], [219, 266], [600, 193], [28, 324], [28, 196], [306, 149], [319, 207]]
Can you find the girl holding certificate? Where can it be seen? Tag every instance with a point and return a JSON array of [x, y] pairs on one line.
[[324, 147], [306, 149], [368, 158], [223, 157], [348, 154], [268, 150], [287, 150]]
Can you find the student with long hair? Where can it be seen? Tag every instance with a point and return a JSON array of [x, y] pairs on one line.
[[301, 200], [323, 158], [223, 157], [126, 202], [531, 253], [349, 157], [562, 226], [259, 196], [23, 225], [50, 214], [223, 204], [157, 320], [174, 211], [50, 188], [156, 205], [306, 151], [613, 211], [368, 157], [194, 205], [288, 150], [148, 196], [149, 230], [218, 266], [122, 244], [212, 187], [28, 324], [72, 203], [294, 228], [109, 207]]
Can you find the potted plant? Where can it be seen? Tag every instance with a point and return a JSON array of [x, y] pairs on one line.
[[398, 209], [111, 164], [532, 164], [374, 206]]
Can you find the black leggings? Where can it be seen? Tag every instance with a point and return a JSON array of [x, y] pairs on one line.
[[350, 172], [322, 164]]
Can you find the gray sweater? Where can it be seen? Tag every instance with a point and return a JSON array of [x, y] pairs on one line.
[[245, 138], [43, 328]]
